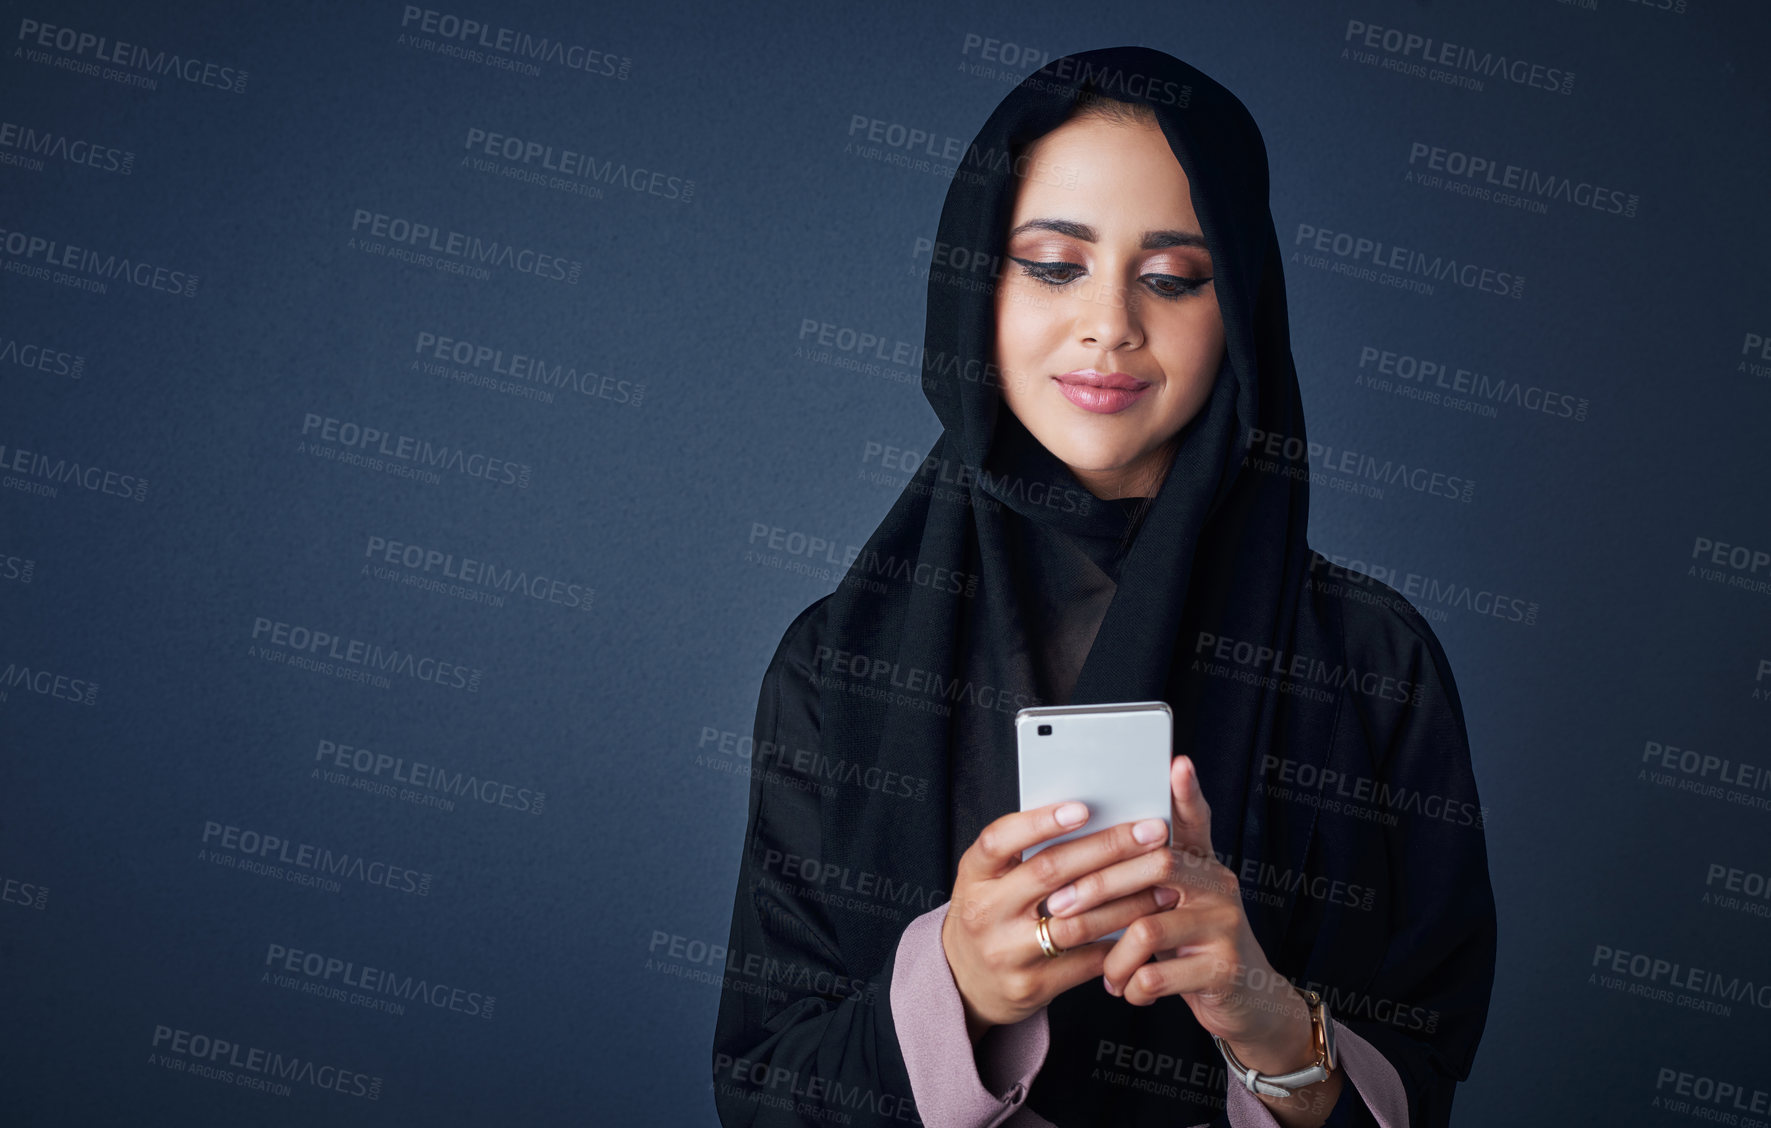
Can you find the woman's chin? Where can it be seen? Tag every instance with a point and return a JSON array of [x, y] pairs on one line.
[[1094, 458]]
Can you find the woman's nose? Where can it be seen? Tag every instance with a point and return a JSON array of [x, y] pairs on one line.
[[1106, 320]]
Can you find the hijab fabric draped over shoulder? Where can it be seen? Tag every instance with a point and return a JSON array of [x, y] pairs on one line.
[[998, 581]]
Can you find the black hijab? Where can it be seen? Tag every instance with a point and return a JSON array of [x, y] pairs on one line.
[[1220, 549], [996, 581]]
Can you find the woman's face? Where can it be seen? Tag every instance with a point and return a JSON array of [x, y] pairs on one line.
[[1108, 333]]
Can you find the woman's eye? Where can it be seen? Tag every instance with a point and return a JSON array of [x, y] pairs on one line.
[[1174, 286], [1056, 274], [1051, 273]]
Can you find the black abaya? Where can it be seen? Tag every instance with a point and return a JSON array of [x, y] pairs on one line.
[[995, 582]]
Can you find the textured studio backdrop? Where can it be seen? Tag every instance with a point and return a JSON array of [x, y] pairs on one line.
[[418, 426]]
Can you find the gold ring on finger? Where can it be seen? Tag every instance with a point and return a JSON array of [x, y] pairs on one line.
[[1051, 950]]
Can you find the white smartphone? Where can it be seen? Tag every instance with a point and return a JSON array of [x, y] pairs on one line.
[[1115, 758]]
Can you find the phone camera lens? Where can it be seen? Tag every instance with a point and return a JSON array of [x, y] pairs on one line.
[[1045, 730]]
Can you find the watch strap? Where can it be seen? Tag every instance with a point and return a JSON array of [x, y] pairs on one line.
[[1282, 1084]]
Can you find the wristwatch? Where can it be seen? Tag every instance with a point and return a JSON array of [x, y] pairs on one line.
[[1282, 1084]]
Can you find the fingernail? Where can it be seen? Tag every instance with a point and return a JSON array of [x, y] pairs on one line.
[[1062, 899], [1150, 830], [1108, 984], [1166, 896], [1072, 814]]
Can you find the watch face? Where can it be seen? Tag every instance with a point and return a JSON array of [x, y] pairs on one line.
[[1321, 1029]]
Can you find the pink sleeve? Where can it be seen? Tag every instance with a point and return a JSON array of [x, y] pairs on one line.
[[1367, 1068], [953, 1085]]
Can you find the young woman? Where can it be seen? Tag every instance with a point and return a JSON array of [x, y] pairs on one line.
[[1115, 511]]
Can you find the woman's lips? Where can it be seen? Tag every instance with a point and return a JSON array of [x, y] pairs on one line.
[[1104, 393]]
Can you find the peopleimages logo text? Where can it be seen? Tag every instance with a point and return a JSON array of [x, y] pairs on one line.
[[1379, 255], [269, 848], [1410, 48], [103, 49], [295, 637], [518, 44], [260, 1068]]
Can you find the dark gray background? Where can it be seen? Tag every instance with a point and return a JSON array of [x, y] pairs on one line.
[[654, 505]]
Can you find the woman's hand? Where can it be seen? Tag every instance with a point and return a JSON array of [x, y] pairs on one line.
[[991, 935], [1203, 948]]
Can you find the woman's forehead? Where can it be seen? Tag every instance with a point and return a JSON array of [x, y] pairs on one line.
[[1114, 177]]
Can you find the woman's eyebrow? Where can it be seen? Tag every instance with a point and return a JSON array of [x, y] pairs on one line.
[[1152, 240]]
